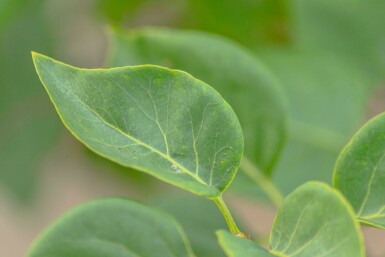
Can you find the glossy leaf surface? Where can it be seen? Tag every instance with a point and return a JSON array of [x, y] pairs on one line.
[[240, 247], [242, 80], [360, 172], [160, 121], [114, 228], [316, 220]]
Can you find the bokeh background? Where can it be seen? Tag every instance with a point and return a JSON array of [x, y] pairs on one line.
[[329, 56]]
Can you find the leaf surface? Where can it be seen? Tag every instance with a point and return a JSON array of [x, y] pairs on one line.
[[160, 121], [360, 172], [114, 228], [241, 79], [314, 220]]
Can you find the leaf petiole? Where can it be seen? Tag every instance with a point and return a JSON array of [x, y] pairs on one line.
[[227, 215]]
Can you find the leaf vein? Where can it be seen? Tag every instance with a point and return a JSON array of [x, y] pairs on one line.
[[369, 188], [151, 148]]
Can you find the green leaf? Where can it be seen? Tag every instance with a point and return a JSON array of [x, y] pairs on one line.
[[160, 121], [349, 29], [242, 80], [136, 13], [28, 127], [8, 8], [240, 247], [315, 220], [360, 172], [118, 10], [24, 138], [114, 228], [249, 22]]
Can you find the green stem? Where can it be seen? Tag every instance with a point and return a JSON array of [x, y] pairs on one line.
[[258, 177], [226, 213]]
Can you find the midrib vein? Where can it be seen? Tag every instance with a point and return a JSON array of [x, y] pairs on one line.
[[167, 157]]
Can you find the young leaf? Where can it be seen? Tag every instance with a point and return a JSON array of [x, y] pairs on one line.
[[360, 172], [160, 121], [113, 228], [242, 80], [240, 247], [314, 220]]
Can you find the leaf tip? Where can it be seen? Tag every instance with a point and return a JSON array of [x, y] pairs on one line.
[[36, 56]]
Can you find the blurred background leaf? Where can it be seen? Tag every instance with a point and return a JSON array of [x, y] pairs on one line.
[[116, 11], [200, 229], [352, 30], [8, 8], [247, 21], [328, 99], [28, 125]]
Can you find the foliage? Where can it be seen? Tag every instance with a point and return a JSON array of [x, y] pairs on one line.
[[271, 88], [178, 129]]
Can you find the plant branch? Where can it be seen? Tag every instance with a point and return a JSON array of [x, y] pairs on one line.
[[258, 177]]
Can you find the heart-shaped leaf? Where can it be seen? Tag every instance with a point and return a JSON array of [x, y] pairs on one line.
[[360, 172], [242, 80], [160, 121], [314, 221], [113, 228]]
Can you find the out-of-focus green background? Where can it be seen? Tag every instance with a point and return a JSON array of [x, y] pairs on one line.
[[329, 56]]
